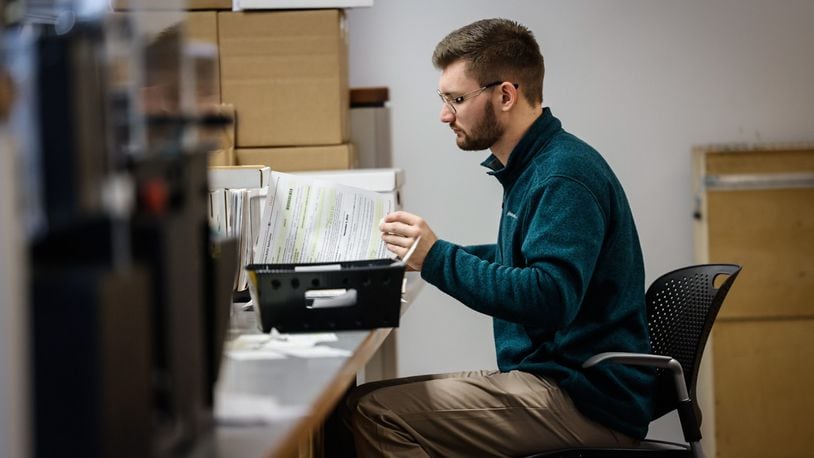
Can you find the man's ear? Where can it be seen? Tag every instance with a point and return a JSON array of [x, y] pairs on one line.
[[508, 96]]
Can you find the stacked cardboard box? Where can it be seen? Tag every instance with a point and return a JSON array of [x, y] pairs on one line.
[[201, 27], [172, 5], [298, 158], [286, 74]]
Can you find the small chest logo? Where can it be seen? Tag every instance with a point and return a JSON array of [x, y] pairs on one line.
[[511, 215]]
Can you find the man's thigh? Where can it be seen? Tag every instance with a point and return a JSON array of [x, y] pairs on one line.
[[357, 393], [485, 414]]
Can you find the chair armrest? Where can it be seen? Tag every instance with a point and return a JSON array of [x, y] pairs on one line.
[[689, 418], [635, 359], [644, 359]]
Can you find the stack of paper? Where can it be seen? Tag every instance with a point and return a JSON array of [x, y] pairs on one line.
[[237, 213], [235, 208], [308, 221]]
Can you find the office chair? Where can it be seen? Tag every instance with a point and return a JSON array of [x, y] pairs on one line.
[[681, 308]]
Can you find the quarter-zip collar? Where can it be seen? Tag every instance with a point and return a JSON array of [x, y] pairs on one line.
[[533, 141]]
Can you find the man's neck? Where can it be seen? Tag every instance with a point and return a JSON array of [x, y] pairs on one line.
[[516, 127]]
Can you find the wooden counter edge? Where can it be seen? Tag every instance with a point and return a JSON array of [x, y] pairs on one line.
[[328, 399]]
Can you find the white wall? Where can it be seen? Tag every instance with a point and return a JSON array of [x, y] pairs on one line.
[[641, 80]]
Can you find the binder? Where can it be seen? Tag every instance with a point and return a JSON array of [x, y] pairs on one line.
[[318, 297]]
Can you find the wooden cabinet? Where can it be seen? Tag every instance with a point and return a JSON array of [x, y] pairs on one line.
[[756, 208]]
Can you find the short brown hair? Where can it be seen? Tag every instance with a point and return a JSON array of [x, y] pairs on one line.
[[496, 50]]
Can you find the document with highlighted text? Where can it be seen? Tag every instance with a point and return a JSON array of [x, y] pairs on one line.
[[308, 220]]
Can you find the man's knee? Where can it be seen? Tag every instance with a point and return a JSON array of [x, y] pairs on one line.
[[367, 405], [350, 405]]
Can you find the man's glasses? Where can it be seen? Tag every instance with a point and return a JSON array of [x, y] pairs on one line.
[[452, 102]]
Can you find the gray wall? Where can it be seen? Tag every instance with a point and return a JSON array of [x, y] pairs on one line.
[[641, 80]]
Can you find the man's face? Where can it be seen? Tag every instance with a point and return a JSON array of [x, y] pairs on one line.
[[473, 120]]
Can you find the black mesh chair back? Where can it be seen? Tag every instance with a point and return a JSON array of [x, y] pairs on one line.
[[681, 308]]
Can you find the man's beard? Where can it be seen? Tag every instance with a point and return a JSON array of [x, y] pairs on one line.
[[484, 134]]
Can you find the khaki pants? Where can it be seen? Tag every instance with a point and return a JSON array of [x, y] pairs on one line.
[[469, 414]]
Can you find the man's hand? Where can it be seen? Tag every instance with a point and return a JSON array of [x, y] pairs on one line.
[[401, 229]]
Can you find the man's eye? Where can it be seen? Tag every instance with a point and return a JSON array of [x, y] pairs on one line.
[[459, 99]]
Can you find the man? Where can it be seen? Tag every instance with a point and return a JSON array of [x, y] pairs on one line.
[[563, 282]]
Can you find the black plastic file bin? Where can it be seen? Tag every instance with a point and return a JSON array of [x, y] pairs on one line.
[[279, 295]]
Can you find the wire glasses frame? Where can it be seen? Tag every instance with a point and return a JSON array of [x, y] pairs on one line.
[[451, 102]]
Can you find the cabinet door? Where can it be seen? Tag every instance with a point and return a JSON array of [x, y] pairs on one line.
[[770, 233], [757, 210], [763, 398]]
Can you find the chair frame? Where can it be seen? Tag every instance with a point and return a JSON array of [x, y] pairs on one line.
[[684, 382]]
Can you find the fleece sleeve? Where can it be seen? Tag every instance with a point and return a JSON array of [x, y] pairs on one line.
[[562, 231], [486, 252]]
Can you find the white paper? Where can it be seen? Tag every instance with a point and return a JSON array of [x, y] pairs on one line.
[[252, 347], [250, 340], [248, 409], [307, 220], [254, 355], [237, 213], [319, 351], [217, 212], [274, 338]]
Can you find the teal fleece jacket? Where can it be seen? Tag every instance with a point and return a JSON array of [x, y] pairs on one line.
[[565, 279]]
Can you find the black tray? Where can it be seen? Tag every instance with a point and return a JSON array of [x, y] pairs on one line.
[[370, 295]]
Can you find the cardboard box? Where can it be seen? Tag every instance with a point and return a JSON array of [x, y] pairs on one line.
[[299, 4], [237, 177], [385, 181], [222, 137], [177, 42], [221, 157], [201, 29], [166, 5], [300, 158], [202, 26], [286, 72]]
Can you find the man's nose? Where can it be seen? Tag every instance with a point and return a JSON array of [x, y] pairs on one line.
[[446, 115]]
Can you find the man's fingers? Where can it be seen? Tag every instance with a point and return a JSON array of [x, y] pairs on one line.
[[403, 217], [399, 229], [397, 250], [397, 240]]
